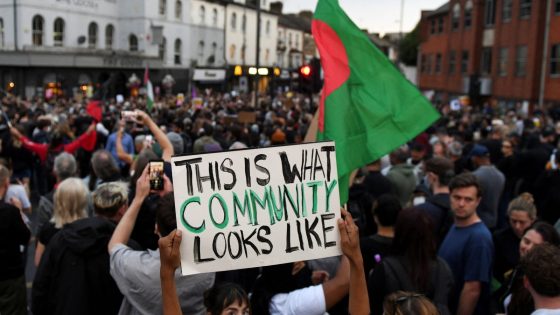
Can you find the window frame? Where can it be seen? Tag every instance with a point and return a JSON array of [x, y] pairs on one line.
[[38, 33], [133, 43], [58, 35], [555, 60], [177, 51], [93, 36], [525, 5], [503, 58], [521, 63]]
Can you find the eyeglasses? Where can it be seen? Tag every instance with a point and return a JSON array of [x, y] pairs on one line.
[[397, 302]]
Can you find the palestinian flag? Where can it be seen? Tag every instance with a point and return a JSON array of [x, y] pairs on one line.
[[367, 107], [149, 90]]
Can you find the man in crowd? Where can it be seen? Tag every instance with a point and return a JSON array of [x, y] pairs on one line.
[[73, 277], [542, 278], [492, 183], [468, 249], [137, 272], [402, 176]]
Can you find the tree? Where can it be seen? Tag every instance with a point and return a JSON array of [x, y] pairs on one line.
[[408, 47]]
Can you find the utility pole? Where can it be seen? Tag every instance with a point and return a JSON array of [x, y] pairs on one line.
[[545, 53], [15, 26], [257, 64]]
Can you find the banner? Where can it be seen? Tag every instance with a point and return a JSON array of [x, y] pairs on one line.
[[257, 207]]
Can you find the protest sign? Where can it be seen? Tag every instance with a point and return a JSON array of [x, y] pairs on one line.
[[247, 117], [256, 207]]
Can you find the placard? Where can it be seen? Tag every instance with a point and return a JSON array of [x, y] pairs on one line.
[[257, 207], [247, 117]]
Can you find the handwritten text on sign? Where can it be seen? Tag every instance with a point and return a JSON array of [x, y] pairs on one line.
[[258, 207]]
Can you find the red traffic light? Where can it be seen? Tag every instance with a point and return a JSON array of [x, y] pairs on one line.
[[305, 71]]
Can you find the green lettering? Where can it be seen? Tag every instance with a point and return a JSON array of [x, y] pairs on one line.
[[244, 209], [224, 209], [277, 210], [314, 186], [329, 188], [262, 203], [295, 205], [190, 228]]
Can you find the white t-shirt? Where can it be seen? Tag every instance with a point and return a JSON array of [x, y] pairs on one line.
[[308, 301], [543, 311]]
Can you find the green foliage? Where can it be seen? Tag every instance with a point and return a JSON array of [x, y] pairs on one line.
[[409, 47]]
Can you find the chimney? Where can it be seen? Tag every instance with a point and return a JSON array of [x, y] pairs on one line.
[[276, 7]]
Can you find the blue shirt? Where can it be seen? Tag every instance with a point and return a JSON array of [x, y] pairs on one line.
[[469, 252], [127, 143]]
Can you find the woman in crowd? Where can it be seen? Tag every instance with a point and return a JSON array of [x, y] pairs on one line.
[[408, 303], [517, 299], [413, 265], [522, 213], [70, 204]]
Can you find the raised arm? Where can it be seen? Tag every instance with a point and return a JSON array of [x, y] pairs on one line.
[[121, 153], [349, 238], [159, 135], [170, 260], [122, 232]]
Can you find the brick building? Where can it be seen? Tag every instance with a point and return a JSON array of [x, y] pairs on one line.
[[491, 50]]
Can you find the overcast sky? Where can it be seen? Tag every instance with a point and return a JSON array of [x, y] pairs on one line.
[[379, 16]]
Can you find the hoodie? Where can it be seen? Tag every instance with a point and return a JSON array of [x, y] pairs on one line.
[[73, 277], [404, 181]]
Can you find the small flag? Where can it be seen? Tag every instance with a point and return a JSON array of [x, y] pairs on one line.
[[94, 110], [149, 90], [367, 107]]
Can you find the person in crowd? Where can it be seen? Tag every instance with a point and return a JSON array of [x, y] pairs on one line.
[[542, 278], [14, 234], [468, 249], [136, 271], [375, 247], [70, 204], [516, 300], [73, 276], [439, 172], [508, 167], [104, 169], [534, 158], [126, 144], [206, 138], [408, 303], [402, 176], [521, 213], [413, 265], [417, 155], [492, 183]]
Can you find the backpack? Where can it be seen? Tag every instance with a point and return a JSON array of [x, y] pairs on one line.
[[448, 215], [396, 278]]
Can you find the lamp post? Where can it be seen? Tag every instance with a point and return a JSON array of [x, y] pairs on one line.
[[257, 65]]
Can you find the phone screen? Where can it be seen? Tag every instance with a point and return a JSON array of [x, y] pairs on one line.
[[128, 115], [156, 175]]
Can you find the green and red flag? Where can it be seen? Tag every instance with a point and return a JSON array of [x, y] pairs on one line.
[[367, 106], [149, 90]]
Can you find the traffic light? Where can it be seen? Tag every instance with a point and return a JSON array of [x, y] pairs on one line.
[[305, 71], [310, 77]]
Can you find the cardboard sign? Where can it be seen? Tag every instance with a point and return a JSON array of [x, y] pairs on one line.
[[257, 207], [247, 117]]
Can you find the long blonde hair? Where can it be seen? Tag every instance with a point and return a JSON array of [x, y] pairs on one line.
[[70, 202], [408, 303], [525, 203]]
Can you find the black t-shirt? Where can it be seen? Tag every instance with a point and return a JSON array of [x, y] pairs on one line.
[[374, 248], [13, 234], [47, 232]]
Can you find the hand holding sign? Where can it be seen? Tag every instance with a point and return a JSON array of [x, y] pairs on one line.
[[169, 251]]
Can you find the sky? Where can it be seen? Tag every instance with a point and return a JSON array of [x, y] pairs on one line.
[[378, 16]]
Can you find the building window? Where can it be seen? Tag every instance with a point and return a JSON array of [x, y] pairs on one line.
[[109, 33], [243, 50], [296, 44], [266, 55], [244, 23], [521, 61], [452, 62], [433, 26], [178, 10], [132, 42], [201, 51], [486, 61], [507, 8], [440, 24], [178, 48], [290, 40], [162, 7], [525, 9], [423, 64], [1, 33], [468, 14], [429, 64], [489, 13], [215, 17], [233, 21], [38, 30], [557, 7], [456, 15], [267, 28], [202, 13], [213, 53], [555, 60], [92, 35], [502, 62], [58, 34], [162, 49], [232, 52], [464, 62], [438, 63]]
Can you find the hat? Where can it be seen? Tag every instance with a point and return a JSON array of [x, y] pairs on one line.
[[278, 136], [176, 141], [479, 150]]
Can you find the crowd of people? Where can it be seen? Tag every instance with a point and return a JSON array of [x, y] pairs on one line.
[[463, 219]]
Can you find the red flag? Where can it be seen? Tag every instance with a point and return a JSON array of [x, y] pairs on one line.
[[94, 110]]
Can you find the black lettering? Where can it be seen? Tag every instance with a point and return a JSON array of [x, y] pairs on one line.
[[300, 238], [310, 231], [215, 246], [318, 165], [306, 164], [218, 182], [247, 172], [196, 252], [324, 218], [187, 164], [240, 249], [328, 149], [289, 249], [289, 172], [247, 241], [226, 169], [200, 179], [264, 170], [263, 239]]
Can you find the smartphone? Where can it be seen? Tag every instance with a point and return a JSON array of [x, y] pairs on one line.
[[155, 173], [128, 115]]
